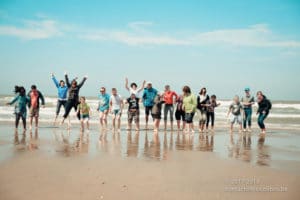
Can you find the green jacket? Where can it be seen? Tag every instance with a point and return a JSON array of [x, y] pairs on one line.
[[190, 103]]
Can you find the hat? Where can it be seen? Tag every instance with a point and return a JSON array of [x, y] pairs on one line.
[[247, 89], [149, 83]]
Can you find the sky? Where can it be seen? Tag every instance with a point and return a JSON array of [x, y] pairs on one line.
[[224, 46]]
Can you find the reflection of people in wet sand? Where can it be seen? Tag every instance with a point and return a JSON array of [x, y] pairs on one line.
[[33, 142], [82, 143], [20, 145], [155, 146], [263, 154], [206, 143], [62, 143], [234, 148], [132, 145], [184, 143]]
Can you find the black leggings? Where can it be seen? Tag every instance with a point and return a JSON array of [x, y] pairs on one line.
[[210, 115], [18, 116], [70, 104]]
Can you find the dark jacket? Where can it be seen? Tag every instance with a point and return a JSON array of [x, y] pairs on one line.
[[205, 101], [264, 106], [40, 97], [74, 92]]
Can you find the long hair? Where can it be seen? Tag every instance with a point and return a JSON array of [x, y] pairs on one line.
[[20, 90], [202, 91]]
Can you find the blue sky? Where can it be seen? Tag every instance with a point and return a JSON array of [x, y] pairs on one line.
[[222, 45]]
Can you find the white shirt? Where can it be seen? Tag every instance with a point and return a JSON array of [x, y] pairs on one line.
[[116, 102], [136, 92]]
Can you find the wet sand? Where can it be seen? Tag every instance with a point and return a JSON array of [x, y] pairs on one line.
[[53, 163]]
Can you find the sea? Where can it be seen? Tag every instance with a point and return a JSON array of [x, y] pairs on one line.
[[283, 115]]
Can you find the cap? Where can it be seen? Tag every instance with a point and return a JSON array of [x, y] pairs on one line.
[[247, 89], [149, 83]]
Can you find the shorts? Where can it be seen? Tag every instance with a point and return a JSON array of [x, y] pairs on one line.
[[189, 117], [85, 116], [236, 118], [133, 116], [148, 109], [156, 116], [34, 112], [202, 116], [117, 112], [179, 115]]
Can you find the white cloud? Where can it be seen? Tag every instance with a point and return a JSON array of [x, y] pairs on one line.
[[254, 36], [32, 30], [133, 39], [139, 34], [258, 35]]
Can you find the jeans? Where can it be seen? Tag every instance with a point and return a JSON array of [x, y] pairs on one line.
[[210, 115], [59, 104], [247, 117], [260, 120], [169, 108]]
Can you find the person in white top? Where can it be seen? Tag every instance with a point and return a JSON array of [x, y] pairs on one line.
[[115, 107], [134, 88]]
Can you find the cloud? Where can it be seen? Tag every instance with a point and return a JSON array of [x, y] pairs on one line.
[[32, 30], [132, 39], [254, 36], [258, 35], [139, 33]]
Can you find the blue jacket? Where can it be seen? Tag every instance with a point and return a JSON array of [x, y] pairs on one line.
[[103, 102], [148, 96], [62, 91]]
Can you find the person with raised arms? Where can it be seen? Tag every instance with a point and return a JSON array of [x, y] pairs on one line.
[[62, 91], [133, 89], [73, 98]]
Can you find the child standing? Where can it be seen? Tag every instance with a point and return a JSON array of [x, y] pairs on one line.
[[116, 107], [20, 108], [103, 107], [84, 111], [35, 97], [210, 115], [236, 110], [133, 112], [156, 111]]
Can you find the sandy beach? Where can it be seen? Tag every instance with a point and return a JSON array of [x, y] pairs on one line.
[[52, 163]]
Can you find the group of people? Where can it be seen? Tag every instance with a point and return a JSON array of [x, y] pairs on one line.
[[185, 106]]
